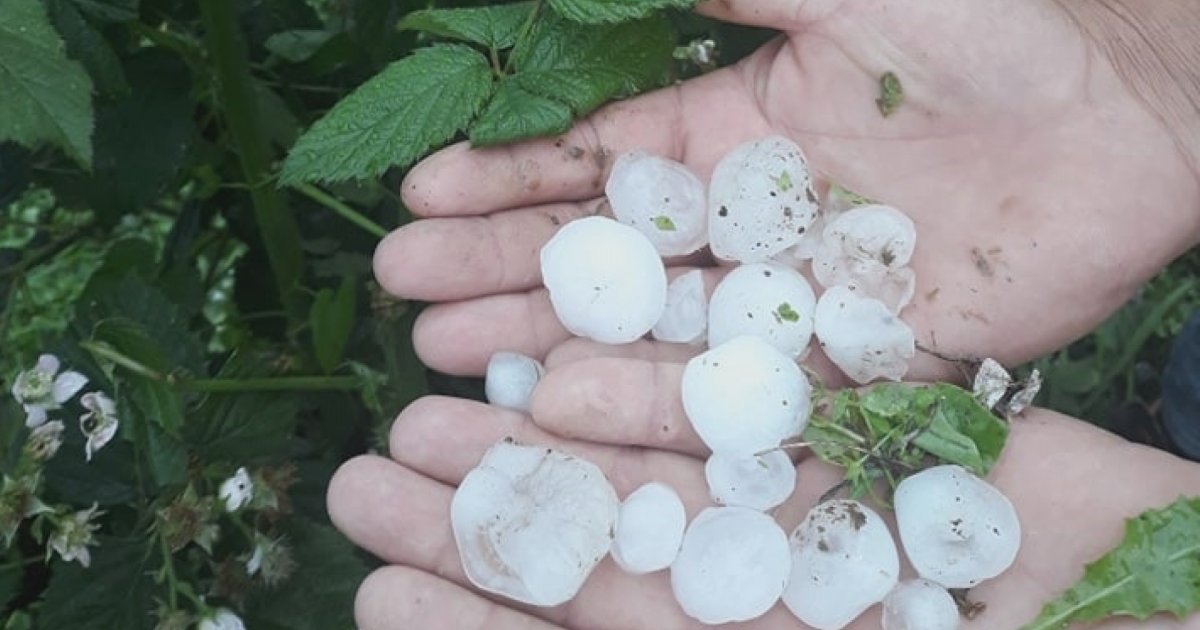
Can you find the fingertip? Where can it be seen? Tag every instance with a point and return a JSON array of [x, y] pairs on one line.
[[424, 190], [346, 485]]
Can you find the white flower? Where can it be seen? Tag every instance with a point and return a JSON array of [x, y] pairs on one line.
[[237, 490], [254, 563], [43, 389], [73, 536], [100, 423], [222, 619], [43, 441]]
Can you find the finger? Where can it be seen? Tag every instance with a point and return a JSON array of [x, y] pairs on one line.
[[400, 598], [688, 122], [579, 349], [781, 15], [456, 258]]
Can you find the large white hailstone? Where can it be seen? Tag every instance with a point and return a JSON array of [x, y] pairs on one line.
[[733, 565], [760, 482], [843, 561], [767, 300], [662, 199], [744, 397], [868, 249], [531, 523], [510, 380], [760, 200], [606, 281], [686, 315], [806, 247], [649, 529], [919, 605], [957, 529], [862, 337]]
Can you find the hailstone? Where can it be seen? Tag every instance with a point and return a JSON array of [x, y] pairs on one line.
[[760, 482], [744, 396], [760, 200], [957, 529], [531, 522], [686, 315], [649, 530], [606, 281], [868, 249], [662, 199], [843, 561], [862, 337], [733, 565], [766, 300], [510, 380], [919, 605]]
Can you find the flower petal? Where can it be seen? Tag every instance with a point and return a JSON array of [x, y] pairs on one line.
[[102, 435], [67, 385], [35, 416], [47, 363]]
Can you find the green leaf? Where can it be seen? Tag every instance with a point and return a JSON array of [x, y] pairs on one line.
[[123, 599], [1155, 568], [785, 313], [242, 428], [10, 582], [961, 431], [109, 10], [331, 319], [109, 479], [320, 596], [515, 114], [493, 27], [891, 94], [297, 45], [598, 11], [391, 120], [664, 223], [585, 66], [87, 45], [47, 97]]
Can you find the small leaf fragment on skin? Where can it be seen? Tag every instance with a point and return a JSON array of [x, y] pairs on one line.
[[784, 181], [664, 223], [1155, 568], [891, 94], [786, 313]]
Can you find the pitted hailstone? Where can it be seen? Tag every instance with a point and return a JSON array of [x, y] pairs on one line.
[[744, 397], [649, 530], [843, 561], [662, 199], [767, 300], [510, 380], [957, 529], [606, 281], [868, 249], [919, 605], [685, 317], [760, 200], [862, 337], [531, 523], [759, 482], [733, 565]]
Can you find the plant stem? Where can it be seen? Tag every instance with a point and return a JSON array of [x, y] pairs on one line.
[[238, 102], [169, 568], [341, 209], [522, 34]]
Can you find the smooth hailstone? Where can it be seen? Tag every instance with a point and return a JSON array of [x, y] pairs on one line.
[[868, 249], [510, 380], [862, 337], [767, 300], [760, 200], [649, 530], [744, 396], [685, 317], [957, 529], [919, 605], [759, 482], [662, 199], [531, 522], [732, 567], [843, 561], [606, 281]]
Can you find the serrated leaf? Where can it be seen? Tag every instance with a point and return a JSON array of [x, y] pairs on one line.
[[599, 11], [585, 66], [1155, 568], [47, 97], [331, 319], [242, 428], [297, 45], [414, 104], [87, 45], [493, 27], [515, 114], [109, 10], [123, 599]]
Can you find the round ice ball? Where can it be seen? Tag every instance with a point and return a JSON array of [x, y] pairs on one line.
[[662, 199], [685, 317], [510, 380], [759, 482], [531, 522], [868, 249], [606, 281], [919, 605], [862, 337], [767, 300], [733, 565], [649, 530]]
